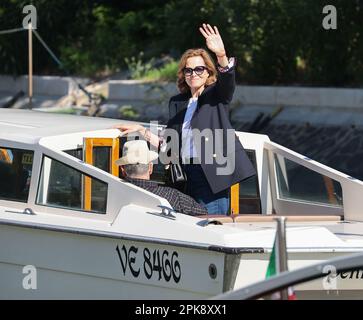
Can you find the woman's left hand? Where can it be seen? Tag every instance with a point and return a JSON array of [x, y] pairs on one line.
[[213, 39]]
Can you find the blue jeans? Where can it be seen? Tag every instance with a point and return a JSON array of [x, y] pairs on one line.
[[199, 189]]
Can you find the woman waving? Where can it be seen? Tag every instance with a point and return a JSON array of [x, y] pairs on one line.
[[209, 151]]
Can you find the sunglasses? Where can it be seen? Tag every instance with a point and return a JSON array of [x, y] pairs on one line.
[[198, 71]]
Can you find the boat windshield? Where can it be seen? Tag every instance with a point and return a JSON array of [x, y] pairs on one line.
[[296, 182], [65, 187]]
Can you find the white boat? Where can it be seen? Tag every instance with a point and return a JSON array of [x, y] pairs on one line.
[[70, 228]]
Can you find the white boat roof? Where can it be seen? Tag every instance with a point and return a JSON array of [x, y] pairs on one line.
[[30, 126]]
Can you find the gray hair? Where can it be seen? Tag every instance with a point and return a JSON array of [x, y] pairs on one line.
[[135, 170]]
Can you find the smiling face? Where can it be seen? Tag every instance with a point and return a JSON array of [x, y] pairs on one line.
[[195, 81]]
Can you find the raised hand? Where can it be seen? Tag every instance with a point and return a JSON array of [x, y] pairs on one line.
[[213, 39]]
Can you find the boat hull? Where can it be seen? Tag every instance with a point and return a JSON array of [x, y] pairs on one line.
[[45, 264], [37, 263]]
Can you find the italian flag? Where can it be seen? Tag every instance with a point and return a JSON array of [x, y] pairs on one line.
[[272, 270]]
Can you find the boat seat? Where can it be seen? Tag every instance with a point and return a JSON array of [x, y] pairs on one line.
[[244, 218]]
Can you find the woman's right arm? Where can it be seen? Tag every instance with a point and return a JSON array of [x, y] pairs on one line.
[[144, 132]]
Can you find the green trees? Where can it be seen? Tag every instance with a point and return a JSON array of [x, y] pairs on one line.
[[275, 41]]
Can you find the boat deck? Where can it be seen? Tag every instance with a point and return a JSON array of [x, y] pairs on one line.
[[348, 232]]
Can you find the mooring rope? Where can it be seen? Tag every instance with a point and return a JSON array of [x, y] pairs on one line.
[[12, 30]]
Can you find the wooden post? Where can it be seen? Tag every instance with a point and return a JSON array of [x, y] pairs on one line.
[[30, 75]]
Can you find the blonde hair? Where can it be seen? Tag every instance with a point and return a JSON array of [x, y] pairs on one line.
[[181, 83]]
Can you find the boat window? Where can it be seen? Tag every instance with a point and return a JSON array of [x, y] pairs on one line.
[[158, 174], [296, 182], [102, 157], [15, 173], [249, 195], [77, 153], [64, 187]]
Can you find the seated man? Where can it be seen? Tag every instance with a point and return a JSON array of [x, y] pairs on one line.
[[136, 167]]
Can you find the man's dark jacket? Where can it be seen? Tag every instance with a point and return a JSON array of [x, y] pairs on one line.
[[212, 112]]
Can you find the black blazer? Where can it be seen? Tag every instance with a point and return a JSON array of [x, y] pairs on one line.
[[212, 112]]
